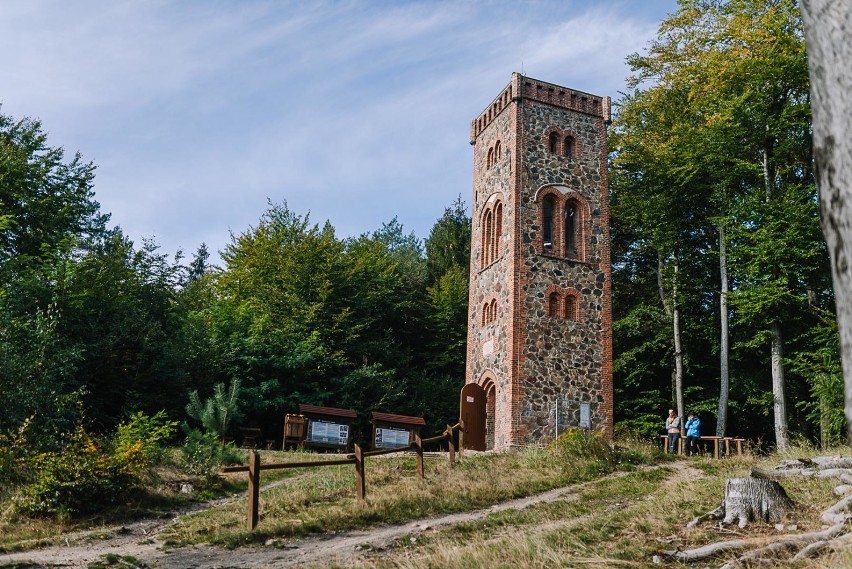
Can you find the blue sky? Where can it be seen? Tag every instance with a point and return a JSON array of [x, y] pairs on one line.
[[198, 112]]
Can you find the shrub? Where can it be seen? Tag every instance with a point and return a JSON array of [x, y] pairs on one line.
[[202, 454], [13, 450], [142, 437], [80, 479], [89, 474], [587, 454]]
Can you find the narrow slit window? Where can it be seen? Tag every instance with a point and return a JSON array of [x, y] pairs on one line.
[[569, 147], [570, 226], [498, 229], [553, 142], [547, 222], [488, 235]]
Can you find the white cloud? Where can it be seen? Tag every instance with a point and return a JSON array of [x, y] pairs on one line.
[[196, 112]]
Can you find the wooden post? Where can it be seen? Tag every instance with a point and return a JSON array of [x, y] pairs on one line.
[[418, 448], [451, 445], [253, 488], [461, 437], [360, 485]]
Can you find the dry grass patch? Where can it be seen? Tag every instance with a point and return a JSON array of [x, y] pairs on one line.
[[323, 499], [617, 522]]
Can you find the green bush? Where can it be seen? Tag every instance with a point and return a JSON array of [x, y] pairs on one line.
[[202, 454], [89, 474], [587, 454], [144, 434], [81, 479]]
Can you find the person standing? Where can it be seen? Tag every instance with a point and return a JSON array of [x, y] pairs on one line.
[[673, 430], [693, 431]]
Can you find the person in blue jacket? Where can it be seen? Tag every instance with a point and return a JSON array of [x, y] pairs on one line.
[[693, 431]]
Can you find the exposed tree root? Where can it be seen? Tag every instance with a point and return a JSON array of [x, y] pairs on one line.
[[748, 497]]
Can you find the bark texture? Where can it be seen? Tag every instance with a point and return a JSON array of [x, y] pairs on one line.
[[722, 419], [673, 312], [748, 496], [779, 398], [752, 499], [828, 36]]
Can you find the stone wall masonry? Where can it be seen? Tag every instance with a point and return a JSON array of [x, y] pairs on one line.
[[489, 353], [530, 358], [563, 359]]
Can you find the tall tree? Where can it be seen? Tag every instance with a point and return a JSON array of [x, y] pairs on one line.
[[828, 28], [736, 72]]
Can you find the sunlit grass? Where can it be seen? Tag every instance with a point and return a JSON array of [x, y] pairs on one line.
[[324, 499], [619, 521]]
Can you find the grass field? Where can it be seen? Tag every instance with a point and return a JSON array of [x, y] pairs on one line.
[[620, 507]]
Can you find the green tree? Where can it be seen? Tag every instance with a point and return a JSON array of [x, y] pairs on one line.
[[719, 113]]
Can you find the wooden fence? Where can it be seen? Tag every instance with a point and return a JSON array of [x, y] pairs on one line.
[[358, 458]]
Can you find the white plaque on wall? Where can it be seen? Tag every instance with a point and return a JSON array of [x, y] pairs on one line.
[[585, 416], [488, 348]]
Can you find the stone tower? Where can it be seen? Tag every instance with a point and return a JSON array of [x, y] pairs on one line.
[[540, 329]]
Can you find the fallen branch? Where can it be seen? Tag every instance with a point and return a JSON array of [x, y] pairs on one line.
[[839, 512], [788, 543], [705, 551]]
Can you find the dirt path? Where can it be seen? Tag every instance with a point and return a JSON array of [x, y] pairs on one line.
[[140, 540]]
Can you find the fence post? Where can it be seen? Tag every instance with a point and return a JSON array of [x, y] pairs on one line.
[[418, 448], [451, 445], [253, 488], [360, 485], [461, 437]]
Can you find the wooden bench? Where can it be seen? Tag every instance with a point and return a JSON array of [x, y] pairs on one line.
[[252, 437], [717, 444]]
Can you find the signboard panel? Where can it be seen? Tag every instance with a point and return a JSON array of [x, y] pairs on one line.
[[329, 433], [391, 437], [585, 416]]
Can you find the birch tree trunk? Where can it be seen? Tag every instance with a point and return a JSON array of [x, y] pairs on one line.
[[828, 36], [779, 400], [673, 312], [722, 421]]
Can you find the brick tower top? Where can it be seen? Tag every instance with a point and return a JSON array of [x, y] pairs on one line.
[[522, 87]]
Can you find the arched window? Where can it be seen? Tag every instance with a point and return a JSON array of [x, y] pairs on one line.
[[490, 159], [493, 309], [553, 305], [498, 151], [553, 142], [547, 229], [571, 226], [571, 308], [569, 146], [492, 230], [487, 236], [498, 230]]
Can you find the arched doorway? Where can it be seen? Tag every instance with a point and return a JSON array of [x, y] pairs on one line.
[[472, 412]]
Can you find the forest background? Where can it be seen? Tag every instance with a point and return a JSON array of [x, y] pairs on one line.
[[721, 282]]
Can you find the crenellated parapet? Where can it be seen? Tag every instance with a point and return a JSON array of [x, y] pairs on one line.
[[522, 87]]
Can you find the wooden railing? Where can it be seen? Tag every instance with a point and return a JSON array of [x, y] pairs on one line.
[[358, 458]]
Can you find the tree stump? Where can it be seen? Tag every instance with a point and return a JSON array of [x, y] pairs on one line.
[[751, 499]]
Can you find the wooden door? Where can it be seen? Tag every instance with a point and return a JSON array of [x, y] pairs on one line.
[[472, 412]]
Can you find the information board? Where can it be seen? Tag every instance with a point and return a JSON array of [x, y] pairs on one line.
[[391, 437], [585, 416], [329, 433]]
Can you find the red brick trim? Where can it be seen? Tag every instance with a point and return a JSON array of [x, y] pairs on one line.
[[558, 231]]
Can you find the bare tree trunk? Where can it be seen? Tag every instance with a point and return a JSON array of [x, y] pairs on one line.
[[828, 35], [779, 401], [673, 312], [722, 421]]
